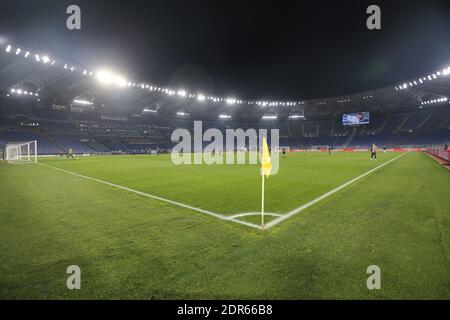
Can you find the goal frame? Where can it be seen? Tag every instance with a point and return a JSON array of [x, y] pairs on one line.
[[20, 152]]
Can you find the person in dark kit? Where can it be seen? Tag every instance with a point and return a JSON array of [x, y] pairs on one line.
[[446, 147], [329, 150], [373, 152], [283, 151], [70, 154]]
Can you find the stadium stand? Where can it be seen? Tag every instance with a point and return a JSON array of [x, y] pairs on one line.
[[49, 110]]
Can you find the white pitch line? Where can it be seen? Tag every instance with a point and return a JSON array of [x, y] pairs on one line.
[[210, 213], [325, 195], [246, 214]]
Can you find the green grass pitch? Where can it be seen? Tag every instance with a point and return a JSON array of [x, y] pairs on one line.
[[129, 246]]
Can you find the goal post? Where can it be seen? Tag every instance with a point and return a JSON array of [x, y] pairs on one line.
[[20, 152]]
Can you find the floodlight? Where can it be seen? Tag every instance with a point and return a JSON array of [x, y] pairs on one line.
[[45, 59], [27, 54], [201, 97], [82, 102], [181, 93], [121, 82], [18, 51], [104, 76], [231, 101], [269, 117]]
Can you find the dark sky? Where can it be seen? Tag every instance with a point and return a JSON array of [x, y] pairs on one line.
[[248, 49]]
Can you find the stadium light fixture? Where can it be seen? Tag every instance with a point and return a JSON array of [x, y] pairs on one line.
[[201, 97], [8, 48], [270, 117], [181, 93], [296, 116], [27, 54], [38, 59], [18, 51], [230, 101], [120, 81], [45, 59], [104, 76], [82, 102], [224, 116]]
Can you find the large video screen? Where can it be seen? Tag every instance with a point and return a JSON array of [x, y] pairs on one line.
[[355, 118]]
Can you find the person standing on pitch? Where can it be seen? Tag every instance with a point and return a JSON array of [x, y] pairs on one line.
[[373, 152], [70, 154]]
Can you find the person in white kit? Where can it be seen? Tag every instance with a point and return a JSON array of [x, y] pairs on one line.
[[373, 152]]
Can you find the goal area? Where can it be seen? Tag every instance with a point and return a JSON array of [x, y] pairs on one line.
[[19, 152]]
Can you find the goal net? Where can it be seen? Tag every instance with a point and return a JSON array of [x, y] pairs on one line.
[[20, 152]]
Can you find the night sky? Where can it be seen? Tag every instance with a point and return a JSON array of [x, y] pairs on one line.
[[247, 49]]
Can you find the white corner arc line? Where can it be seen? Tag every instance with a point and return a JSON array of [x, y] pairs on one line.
[[210, 213], [326, 195], [246, 214]]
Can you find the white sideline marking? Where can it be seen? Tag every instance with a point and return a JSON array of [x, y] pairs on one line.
[[325, 195], [217, 215]]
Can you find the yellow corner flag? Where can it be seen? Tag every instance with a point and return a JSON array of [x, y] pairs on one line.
[[266, 167]]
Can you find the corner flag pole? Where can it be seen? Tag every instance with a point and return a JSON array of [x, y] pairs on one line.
[[266, 166], [262, 200]]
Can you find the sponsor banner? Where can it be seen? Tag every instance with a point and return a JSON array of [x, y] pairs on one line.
[[440, 153]]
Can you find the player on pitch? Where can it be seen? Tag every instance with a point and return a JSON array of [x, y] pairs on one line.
[[373, 152]]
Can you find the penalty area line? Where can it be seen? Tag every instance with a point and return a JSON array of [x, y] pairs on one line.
[[326, 195], [179, 204]]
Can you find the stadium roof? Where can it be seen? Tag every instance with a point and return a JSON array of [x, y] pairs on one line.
[[37, 75]]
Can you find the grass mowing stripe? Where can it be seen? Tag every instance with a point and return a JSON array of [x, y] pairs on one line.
[[216, 215], [326, 195]]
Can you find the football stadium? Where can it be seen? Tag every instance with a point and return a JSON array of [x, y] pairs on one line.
[[150, 190]]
